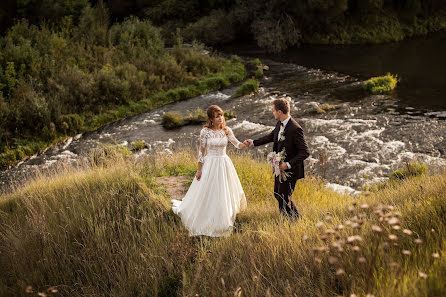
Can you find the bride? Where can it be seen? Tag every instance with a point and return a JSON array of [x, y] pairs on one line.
[[215, 195]]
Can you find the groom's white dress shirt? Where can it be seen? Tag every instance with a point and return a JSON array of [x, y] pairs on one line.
[[282, 128]]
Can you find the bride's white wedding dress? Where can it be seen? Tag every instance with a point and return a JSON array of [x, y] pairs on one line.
[[211, 204]]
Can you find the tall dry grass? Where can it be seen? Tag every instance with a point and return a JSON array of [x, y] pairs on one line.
[[106, 229]]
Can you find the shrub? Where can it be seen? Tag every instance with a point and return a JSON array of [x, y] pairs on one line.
[[138, 145], [381, 84], [196, 117], [411, 169], [108, 88], [70, 123], [135, 36], [216, 28], [249, 86], [172, 120]]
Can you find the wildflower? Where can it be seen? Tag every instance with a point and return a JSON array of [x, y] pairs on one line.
[[436, 255], [332, 260], [422, 274], [396, 227], [432, 230], [393, 237], [364, 206], [238, 292], [369, 295], [29, 290], [351, 208], [393, 221], [354, 238], [355, 226], [385, 245], [407, 231], [317, 260], [319, 224], [330, 231], [339, 227], [41, 294], [362, 260], [353, 295], [407, 252], [376, 228], [356, 248], [418, 241], [324, 237], [52, 290], [327, 218], [348, 222], [305, 237], [395, 265], [362, 215], [340, 271]]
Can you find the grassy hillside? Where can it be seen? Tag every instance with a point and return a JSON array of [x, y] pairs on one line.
[[106, 229]]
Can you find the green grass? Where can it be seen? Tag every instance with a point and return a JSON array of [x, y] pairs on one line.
[[172, 120], [381, 84], [233, 72], [248, 87], [106, 229]]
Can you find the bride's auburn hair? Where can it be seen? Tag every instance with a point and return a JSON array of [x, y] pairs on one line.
[[213, 111]]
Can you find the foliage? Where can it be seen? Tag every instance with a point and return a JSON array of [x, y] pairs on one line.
[[138, 145], [111, 215], [410, 169], [381, 84], [172, 120], [248, 87], [58, 80]]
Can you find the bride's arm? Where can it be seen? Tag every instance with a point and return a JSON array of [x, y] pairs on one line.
[[234, 140], [201, 152]]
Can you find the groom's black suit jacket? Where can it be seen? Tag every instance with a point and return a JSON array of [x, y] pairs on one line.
[[295, 145]]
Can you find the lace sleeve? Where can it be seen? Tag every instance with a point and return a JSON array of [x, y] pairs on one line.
[[202, 149], [232, 138]]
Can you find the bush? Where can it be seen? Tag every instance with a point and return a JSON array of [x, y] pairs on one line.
[[137, 38], [411, 169], [70, 123], [172, 120], [138, 145], [108, 88], [29, 111], [381, 84], [196, 117], [216, 28], [249, 86]]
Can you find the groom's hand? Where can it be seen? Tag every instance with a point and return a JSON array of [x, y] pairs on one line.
[[283, 166], [248, 142]]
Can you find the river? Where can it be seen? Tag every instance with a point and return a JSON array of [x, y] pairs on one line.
[[365, 137]]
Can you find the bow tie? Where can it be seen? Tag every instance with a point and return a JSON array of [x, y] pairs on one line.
[[281, 124]]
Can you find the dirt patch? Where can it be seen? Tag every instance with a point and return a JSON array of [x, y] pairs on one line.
[[175, 185]]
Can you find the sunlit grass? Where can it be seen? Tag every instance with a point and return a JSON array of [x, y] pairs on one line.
[[106, 229]]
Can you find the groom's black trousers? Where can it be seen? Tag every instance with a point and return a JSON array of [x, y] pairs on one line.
[[282, 192]]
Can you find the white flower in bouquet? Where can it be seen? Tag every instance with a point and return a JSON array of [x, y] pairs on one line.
[[274, 159]]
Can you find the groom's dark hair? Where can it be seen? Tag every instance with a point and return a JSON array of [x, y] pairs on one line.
[[282, 104]]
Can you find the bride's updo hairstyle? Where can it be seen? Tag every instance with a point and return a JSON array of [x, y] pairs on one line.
[[212, 111]]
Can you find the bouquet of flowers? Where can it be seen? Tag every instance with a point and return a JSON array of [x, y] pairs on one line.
[[274, 160]]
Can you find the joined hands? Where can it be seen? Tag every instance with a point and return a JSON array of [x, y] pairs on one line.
[[248, 143]]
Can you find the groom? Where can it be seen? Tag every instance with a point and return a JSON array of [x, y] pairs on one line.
[[287, 135]]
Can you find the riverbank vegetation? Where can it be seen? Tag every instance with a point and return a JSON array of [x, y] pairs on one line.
[[381, 84], [106, 229], [57, 80], [273, 24], [174, 120]]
